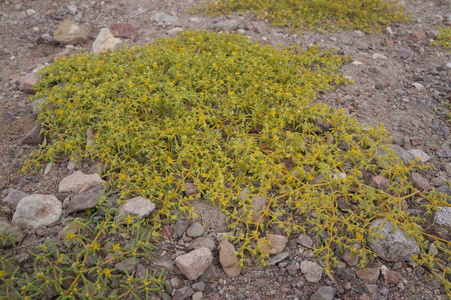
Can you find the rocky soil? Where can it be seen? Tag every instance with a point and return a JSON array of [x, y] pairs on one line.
[[400, 80]]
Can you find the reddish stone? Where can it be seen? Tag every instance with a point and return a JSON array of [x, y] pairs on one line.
[[380, 182], [28, 84], [390, 43], [259, 26], [191, 189], [166, 231], [420, 182], [368, 275], [350, 260], [391, 277], [124, 30], [419, 35]]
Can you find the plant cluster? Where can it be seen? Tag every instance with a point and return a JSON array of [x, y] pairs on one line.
[[365, 15], [238, 120], [444, 38], [84, 267]]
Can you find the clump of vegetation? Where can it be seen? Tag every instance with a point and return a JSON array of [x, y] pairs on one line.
[[365, 15], [444, 38], [84, 266], [238, 120]]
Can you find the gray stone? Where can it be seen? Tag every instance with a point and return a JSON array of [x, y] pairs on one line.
[[105, 41], [13, 197], [193, 264], [183, 293], [195, 230], [34, 136], [88, 199], [72, 8], [277, 258], [136, 207], [443, 216], [212, 216], [448, 169], [12, 231], [311, 270], [443, 153], [37, 210], [191, 189], [70, 33], [324, 293], [180, 228], [446, 191], [198, 286], [228, 260], [127, 265], [203, 242], [420, 154], [36, 105], [228, 25], [77, 180], [380, 183], [305, 241], [292, 270], [160, 17], [402, 153], [395, 246]]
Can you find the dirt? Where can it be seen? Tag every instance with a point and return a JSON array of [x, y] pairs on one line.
[[400, 81]]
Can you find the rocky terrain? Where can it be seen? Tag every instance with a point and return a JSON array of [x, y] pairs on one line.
[[399, 80]]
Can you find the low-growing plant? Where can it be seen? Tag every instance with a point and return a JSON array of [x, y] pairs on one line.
[[365, 15], [444, 38], [84, 266], [238, 120]]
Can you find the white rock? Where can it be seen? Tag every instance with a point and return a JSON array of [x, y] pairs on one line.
[[418, 86], [389, 31], [311, 270], [136, 207], [443, 216], [77, 180], [357, 63], [420, 154], [379, 56], [72, 8], [448, 65], [194, 264], [30, 12], [106, 41], [37, 210]]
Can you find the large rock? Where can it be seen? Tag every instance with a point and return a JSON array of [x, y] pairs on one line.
[[395, 246], [74, 182], [136, 207], [70, 33], [105, 41], [259, 204], [228, 260], [402, 153], [13, 197], [85, 200], [228, 25], [194, 264], [37, 210], [12, 231]]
